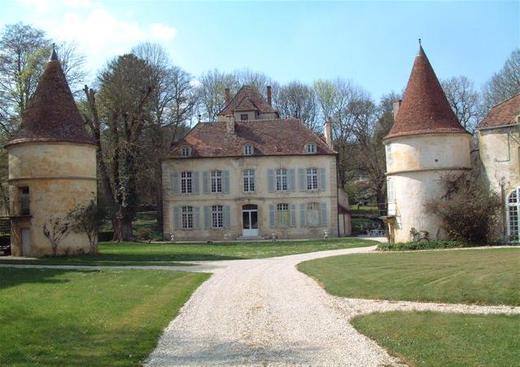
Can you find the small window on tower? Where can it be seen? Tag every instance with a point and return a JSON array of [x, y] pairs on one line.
[[244, 117]]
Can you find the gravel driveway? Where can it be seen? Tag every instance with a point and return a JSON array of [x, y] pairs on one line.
[[266, 313]]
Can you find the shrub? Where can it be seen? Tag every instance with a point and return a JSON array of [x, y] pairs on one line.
[[468, 210], [105, 236], [144, 233], [421, 245]]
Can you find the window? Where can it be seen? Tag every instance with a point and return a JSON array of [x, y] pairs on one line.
[[313, 214], [217, 216], [249, 180], [281, 179], [186, 182], [310, 148], [185, 151], [248, 149], [216, 181], [244, 117], [513, 218], [24, 200], [312, 178], [187, 217], [282, 215]]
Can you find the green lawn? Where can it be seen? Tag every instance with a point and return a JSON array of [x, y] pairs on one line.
[[87, 318], [129, 253], [488, 276], [446, 340]]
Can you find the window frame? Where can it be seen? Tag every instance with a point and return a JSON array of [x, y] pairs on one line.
[[283, 215], [313, 207], [187, 217], [217, 216], [185, 151], [248, 180], [281, 179], [249, 149], [216, 182], [244, 117], [311, 179], [311, 148], [186, 182]]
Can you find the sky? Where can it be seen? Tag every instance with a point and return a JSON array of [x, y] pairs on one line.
[[372, 43]]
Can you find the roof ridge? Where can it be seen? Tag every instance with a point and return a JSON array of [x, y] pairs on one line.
[[505, 100]]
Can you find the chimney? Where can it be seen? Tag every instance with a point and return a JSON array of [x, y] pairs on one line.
[[396, 106], [230, 125], [228, 95], [327, 127], [269, 95]]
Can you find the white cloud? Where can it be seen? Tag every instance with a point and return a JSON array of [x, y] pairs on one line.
[[98, 33]]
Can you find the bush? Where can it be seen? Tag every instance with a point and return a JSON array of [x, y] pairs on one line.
[[421, 245], [144, 233], [105, 236], [468, 210]]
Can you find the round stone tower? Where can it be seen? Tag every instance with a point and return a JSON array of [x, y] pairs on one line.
[[52, 170], [425, 143]]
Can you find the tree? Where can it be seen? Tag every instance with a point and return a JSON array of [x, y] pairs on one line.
[[298, 100], [56, 229], [119, 116], [465, 101], [212, 92], [87, 219], [505, 83]]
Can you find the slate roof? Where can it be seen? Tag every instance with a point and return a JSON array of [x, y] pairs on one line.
[[268, 137], [425, 108], [248, 98], [504, 113], [51, 114]]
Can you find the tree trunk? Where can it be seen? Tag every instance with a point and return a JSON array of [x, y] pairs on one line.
[[122, 225]]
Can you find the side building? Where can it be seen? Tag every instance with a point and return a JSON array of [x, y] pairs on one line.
[[252, 175], [499, 148]]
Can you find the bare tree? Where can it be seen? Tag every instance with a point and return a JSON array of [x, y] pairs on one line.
[[56, 229], [211, 92], [298, 100], [465, 101], [505, 83], [87, 219]]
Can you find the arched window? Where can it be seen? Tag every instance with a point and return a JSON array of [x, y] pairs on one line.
[[513, 209]]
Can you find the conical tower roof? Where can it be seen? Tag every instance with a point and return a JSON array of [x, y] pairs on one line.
[[425, 108], [51, 114]]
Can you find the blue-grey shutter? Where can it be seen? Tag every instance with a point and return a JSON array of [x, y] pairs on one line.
[[292, 215], [225, 182], [177, 218], [302, 216], [302, 182], [291, 180], [270, 180], [271, 216], [323, 179], [207, 217], [205, 182], [196, 217], [175, 182], [195, 188], [226, 213], [324, 217]]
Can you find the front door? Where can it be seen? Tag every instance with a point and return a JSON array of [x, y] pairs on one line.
[[250, 220], [26, 242]]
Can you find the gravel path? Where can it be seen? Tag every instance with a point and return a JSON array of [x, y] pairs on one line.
[[266, 313]]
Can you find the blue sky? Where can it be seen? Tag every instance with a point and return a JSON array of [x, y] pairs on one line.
[[371, 43]]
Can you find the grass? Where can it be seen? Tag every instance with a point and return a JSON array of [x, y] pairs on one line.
[[131, 253], [488, 276], [87, 318], [445, 340]]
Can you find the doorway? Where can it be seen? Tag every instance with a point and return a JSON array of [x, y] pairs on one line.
[[250, 220], [26, 241]]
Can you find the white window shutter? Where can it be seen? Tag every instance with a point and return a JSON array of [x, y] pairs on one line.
[[302, 179], [175, 182], [196, 217], [225, 182], [271, 216], [270, 180], [177, 218], [303, 222], [207, 217], [292, 215], [205, 182], [195, 189], [291, 180], [226, 213], [324, 216]]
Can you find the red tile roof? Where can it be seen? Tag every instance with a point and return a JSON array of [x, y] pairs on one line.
[[52, 115], [248, 98], [425, 108], [268, 137], [504, 113]]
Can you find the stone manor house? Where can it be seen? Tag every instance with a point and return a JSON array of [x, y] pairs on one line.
[[251, 174]]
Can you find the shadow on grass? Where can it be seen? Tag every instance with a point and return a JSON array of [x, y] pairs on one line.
[[12, 277]]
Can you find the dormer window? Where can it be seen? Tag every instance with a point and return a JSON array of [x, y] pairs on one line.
[[185, 151], [248, 149], [310, 148]]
